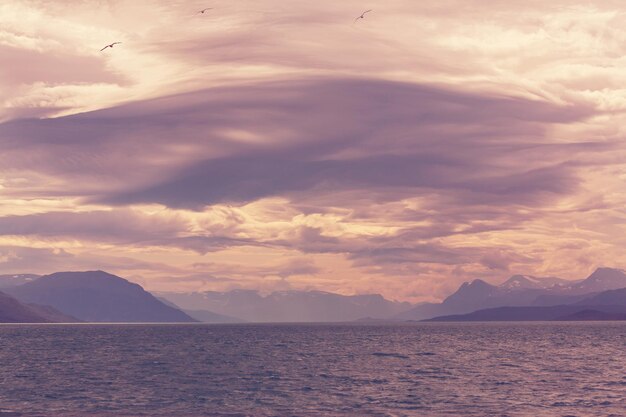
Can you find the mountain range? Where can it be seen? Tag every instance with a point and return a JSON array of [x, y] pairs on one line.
[[600, 296], [286, 306], [97, 296]]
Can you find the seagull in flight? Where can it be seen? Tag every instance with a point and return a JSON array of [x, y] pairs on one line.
[[204, 10], [111, 45], [362, 15]]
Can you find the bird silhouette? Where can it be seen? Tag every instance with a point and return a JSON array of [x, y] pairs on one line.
[[362, 15], [109, 46], [204, 10]]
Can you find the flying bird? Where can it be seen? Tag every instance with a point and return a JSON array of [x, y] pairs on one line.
[[362, 15], [110, 46], [204, 10]]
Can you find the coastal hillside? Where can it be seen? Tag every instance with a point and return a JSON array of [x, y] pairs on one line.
[[97, 296]]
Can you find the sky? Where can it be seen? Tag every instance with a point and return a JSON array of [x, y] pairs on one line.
[[277, 145]]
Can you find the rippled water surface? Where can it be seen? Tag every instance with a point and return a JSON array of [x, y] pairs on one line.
[[537, 369]]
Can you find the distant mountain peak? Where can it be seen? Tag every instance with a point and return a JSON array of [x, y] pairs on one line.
[[479, 281], [97, 274], [521, 277], [604, 272], [476, 289], [603, 279], [476, 284], [607, 268]]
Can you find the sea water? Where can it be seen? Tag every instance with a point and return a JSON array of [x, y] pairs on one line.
[[497, 369]]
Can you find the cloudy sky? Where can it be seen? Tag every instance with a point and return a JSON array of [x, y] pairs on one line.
[[274, 145]]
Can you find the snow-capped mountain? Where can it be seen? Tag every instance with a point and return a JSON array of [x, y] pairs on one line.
[[519, 290], [602, 279], [517, 282]]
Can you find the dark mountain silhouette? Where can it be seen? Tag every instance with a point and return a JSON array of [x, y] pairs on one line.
[[13, 311], [288, 306], [606, 298], [551, 313], [97, 296], [13, 280], [556, 298], [520, 290], [606, 305], [594, 315]]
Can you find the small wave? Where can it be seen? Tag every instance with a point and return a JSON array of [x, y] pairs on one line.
[[390, 355]]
